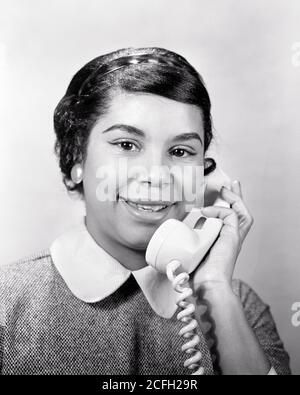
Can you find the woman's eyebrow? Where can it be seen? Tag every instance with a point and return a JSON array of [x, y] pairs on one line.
[[126, 128], [138, 132], [187, 136]]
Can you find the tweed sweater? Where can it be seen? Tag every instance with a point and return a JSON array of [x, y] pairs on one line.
[[45, 329]]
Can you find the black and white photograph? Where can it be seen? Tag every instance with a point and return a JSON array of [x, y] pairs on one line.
[[150, 200]]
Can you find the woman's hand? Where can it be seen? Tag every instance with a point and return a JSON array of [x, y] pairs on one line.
[[218, 266], [223, 321]]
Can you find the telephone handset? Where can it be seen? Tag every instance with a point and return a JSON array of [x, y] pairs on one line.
[[184, 241], [182, 245]]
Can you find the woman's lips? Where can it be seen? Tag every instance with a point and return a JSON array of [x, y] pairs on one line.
[[147, 210], [147, 202]]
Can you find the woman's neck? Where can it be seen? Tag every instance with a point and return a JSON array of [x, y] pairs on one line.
[[128, 257]]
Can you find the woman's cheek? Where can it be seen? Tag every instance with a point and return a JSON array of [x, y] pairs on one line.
[[100, 177], [190, 182], [106, 184]]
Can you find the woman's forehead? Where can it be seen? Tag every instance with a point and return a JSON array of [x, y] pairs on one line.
[[151, 113]]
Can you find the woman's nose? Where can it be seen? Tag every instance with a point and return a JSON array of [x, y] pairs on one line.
[[157, 176], [155, 170]]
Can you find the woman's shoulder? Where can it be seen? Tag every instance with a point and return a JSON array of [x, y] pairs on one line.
[[254, 307], [24, 281], [259, 316], [26, 271]]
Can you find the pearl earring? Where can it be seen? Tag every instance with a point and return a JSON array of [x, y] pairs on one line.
[[76, 173]]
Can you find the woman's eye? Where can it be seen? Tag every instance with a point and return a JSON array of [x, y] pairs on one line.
[[126, 145], [132, 147], [179, 152]]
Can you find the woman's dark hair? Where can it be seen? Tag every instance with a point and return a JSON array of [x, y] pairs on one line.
[[145, 70]]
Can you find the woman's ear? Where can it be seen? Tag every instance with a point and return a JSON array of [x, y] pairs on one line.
[[213, 184], [77, 173], [209, 165]]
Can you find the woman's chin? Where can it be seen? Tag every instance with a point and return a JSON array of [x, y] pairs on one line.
[[138, 241]]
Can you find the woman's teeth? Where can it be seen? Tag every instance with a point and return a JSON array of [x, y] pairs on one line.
[[144, 207]]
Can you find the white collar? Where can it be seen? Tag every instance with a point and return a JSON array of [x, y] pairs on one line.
[[92, 274]]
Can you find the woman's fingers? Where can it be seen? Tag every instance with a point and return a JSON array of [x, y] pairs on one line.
[[236, 201], [236, 188], [228, 216], [241, 221]]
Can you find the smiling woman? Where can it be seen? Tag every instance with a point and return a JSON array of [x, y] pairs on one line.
[[89, 304], [148, 141], [144, 71]]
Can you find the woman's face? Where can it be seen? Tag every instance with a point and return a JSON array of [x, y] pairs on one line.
[[136, 153]]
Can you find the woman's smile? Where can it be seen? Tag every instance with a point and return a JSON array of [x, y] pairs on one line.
[[147, 211]]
